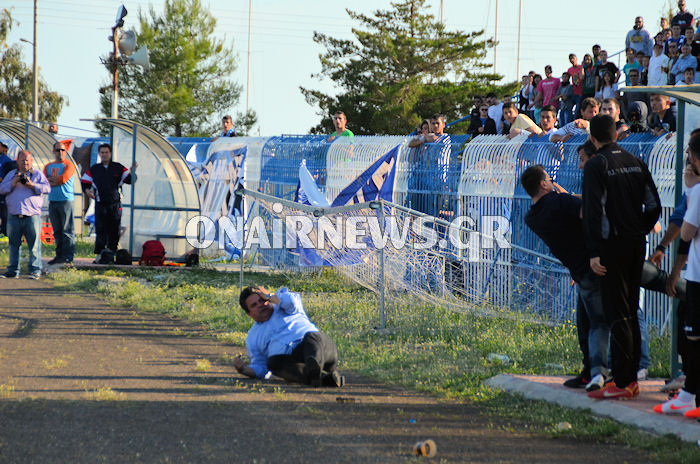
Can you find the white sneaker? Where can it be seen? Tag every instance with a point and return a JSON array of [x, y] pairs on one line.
[[674, 406], [643, 374], [596, 383]]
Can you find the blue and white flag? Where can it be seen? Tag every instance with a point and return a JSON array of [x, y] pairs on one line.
[[308, 193], [377, 182]]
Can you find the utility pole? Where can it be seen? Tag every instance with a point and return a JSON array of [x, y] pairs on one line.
[[495, 39], [520, 20], [35, 77], [115, 73], [247, 85], [441, 12]]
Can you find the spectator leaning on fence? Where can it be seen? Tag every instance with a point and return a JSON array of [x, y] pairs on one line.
[[555, 217], [423, 131], [514, 123], [662, 120], [589, 108], [548, 119], [620, 206], [638, 38]]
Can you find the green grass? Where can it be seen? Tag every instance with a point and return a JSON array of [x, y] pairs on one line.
[[83, 248], [426, 348]]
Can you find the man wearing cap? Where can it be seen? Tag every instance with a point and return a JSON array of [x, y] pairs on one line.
[[60, 174]]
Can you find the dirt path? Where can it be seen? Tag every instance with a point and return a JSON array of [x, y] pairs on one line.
[[81, 381]]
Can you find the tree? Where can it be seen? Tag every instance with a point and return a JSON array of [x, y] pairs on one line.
[[16, 82], [187, 89], [401, 67]]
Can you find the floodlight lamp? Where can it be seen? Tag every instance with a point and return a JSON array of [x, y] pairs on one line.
[[121, 13], [127, 42]]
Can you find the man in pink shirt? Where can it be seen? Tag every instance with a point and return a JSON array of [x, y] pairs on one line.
[[548, 88], [576, 73]]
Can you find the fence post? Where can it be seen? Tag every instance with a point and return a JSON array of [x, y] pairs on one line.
[[680, 129], [382, 317]]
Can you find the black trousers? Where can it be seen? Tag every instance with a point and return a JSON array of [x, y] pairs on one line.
[[108, 218], [691, 325], [316, 345], [623, 258]]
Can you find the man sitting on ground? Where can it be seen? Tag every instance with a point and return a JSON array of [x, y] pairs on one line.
[[285, 342], [514, 123]]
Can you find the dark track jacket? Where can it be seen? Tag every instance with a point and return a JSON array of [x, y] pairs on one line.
[[107, 181], [619, 198]]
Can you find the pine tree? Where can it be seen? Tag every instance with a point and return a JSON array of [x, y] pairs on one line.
[[402, 66]]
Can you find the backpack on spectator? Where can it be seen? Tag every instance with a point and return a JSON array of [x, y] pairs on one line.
[[153, 253], [122, 257]]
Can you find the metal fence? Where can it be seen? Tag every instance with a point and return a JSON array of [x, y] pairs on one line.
[[476, 178]]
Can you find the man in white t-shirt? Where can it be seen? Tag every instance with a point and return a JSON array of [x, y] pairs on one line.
[[495, 111], [515, 123], [685, 401], [658, 67], [589, 109]]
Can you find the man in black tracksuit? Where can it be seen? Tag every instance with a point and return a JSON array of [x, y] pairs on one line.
[[102, 182], [620, 207]]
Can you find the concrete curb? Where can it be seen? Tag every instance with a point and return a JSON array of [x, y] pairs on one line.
[[651, 422]]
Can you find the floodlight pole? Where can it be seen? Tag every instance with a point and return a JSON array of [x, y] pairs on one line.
[[115, 73], [495, 41], [35, 79], [247, 85]]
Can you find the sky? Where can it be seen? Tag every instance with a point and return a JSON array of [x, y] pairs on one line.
[[72, 35]]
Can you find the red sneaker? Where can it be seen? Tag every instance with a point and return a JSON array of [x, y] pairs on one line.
[[612, 392]]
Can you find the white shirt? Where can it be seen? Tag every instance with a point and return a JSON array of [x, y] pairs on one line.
[[496, 113], [569, 128], [655, 75], [692, 217]]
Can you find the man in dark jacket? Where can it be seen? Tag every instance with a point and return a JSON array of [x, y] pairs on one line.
[[482, 124], [620, 207], [102, 182]]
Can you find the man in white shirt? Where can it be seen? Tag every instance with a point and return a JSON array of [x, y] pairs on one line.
[[495, 111], [589, 109], [685, 401]]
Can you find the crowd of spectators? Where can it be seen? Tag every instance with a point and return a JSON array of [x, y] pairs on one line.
[[671, 57]]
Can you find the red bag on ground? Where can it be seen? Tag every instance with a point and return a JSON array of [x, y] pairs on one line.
[[153, 253]]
